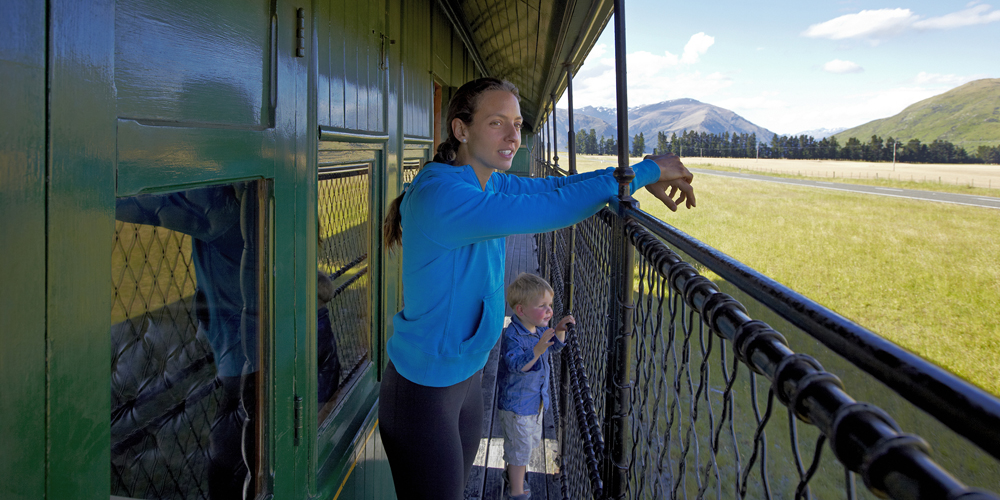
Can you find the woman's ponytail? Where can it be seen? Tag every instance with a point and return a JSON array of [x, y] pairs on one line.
[[447, 151], [392, 228]]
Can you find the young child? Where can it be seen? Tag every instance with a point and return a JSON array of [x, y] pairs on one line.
[[523, 375]]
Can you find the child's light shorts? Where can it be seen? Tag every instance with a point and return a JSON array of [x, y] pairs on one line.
[[521, 434]]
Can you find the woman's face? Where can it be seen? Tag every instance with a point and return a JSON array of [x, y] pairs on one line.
[[490, 141]]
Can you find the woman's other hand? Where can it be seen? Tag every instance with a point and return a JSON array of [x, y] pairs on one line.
[[675, 176]]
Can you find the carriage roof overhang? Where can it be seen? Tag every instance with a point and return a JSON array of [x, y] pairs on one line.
[[530, 43]]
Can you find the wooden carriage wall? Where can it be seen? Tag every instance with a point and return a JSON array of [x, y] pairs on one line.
[[295, 123]]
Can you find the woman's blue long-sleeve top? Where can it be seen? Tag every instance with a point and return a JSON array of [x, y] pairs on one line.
[[453, 258]]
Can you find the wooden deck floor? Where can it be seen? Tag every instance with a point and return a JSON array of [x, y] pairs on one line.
[[486, 481]]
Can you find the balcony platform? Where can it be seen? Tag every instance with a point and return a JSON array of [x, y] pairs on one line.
[[486, 480]]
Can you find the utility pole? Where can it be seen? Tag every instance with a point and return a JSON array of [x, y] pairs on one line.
[[894, 142]]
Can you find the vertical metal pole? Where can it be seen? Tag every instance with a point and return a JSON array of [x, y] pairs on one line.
[[570, 279], [555, 133], [572, 128], [548, 140], [619, 385]]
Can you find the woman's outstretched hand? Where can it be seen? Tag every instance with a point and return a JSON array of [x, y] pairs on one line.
[[675, 176]]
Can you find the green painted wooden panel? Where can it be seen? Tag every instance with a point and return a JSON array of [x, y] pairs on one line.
[[377, 68], [441, 46], [356, 73], [343, 436], [391, 182], [368, 476], [459, 71], [22, 243], [157, 158], [418, 88], [352, 40], [212, 61], [322, 35], [80, 232], [521, 164], [294, 240]]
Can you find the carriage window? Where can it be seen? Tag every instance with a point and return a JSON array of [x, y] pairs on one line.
[[187, 390], [343, 333]]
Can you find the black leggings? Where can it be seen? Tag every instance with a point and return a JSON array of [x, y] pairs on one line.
[[430, 434]]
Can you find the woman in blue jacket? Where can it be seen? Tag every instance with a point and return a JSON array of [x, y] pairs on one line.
[[452, 221]]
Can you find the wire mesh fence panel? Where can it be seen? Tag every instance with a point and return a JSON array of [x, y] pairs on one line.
[[344, 342], [592, 272], [582, 445], [705, 415], [703, 424]]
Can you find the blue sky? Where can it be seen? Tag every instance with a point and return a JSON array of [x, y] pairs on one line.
[[792, 66]]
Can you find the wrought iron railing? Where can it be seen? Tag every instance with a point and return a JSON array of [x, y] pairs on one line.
[[669, 385]]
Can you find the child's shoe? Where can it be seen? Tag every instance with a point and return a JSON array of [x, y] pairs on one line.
[[506, 489]]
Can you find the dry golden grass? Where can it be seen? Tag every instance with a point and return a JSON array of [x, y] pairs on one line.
[[923, 275]]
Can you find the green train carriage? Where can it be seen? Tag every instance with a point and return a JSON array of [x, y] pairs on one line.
[[226, 165], [289, 126]]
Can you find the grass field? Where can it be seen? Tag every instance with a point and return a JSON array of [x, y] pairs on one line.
[[965, 178], [900, 182], [923, 275]]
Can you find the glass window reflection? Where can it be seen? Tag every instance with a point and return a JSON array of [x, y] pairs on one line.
[[186, 353]]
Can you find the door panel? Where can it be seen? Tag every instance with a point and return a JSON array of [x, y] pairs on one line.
[[80, 221], [212, 61], [22, 243]]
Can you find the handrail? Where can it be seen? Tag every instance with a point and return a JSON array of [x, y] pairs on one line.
[[964, 408]]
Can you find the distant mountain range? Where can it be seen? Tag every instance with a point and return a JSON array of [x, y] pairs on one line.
[[821, 133], [674, 116], [967, 116]]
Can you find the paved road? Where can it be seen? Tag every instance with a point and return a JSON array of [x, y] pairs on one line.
[[913, 194]]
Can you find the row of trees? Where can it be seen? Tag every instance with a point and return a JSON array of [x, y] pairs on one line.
[[743, 145], [588, 144]]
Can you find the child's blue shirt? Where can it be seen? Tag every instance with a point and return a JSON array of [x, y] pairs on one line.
[[453, 258], [523, 393]]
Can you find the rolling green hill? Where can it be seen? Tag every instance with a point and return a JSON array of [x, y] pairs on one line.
[[967, 116]]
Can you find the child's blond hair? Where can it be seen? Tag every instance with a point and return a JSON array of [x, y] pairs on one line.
[[526, 287]]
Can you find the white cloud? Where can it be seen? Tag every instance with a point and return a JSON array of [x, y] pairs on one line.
[[840, 67], [762, 102], [646, 84], [651, 77], [883, 23], [977, 14], [865, 24], [923, 78], [803, 113], [598, 51], [643, 64], [696, 47], [694, 85]]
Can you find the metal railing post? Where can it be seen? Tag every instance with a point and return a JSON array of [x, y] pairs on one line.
[[571, 145], [548, 143], [619, 385], [555, 134], [571, 258]]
